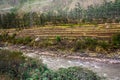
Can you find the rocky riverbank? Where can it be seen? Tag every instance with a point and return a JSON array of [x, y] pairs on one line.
[[64, 54], [104, 67]]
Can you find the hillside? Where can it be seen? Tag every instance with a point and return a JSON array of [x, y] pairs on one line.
[[43, 5]]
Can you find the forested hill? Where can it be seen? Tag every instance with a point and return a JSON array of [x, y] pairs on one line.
[[54, 12], [43, 5], [12, 2]]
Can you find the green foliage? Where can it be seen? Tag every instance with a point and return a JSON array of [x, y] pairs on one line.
[[33, 70], [72, 73], [104, 45], [15, 65], [24, 40], [90, 43], [116, 40], [44, 44], [79, 45], [58, 38], [10, 62], [5, 37], [85, 43], [106, 12]]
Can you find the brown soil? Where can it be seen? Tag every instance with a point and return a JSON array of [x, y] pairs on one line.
[[51, 32]]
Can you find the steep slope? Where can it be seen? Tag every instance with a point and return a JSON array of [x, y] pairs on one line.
[[45, 5], [7, 5]]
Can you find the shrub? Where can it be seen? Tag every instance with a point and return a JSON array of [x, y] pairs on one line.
[[86, 43], [20, 40], [116, 40], [91, 43], [16, 65], [79, 45], [13, 36], [44, 43], [72, 73], [32, 69], [104, 44], [4, 36], [58, 38], [27, 40], [10, 62]]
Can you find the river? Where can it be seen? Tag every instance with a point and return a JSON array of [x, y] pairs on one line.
[[108, 70], [105, 69]]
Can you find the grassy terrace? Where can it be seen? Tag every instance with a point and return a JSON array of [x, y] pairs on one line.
[[98, 39], [67, 31]]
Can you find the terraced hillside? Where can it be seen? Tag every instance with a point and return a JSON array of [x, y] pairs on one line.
[[101, 31]]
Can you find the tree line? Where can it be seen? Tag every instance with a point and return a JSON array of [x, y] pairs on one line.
[[106, 12]]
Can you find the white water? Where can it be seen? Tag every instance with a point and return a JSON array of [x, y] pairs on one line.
[[108, 70], [105, 69]]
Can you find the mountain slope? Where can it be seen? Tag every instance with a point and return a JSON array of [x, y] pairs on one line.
[[45, 5]]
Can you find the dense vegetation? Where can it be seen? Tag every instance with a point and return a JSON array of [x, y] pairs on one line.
[[106, 12], [82, 44], [17, 67]]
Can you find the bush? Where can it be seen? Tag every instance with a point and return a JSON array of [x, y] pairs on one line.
[[91, 43], [116, 40], [79, 45], [104, 44], [58, 38], [72, 73], [32, 69], [10, 62], [86, 43], [4, 36], [20, 40], [16, 65], [27, 40]]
